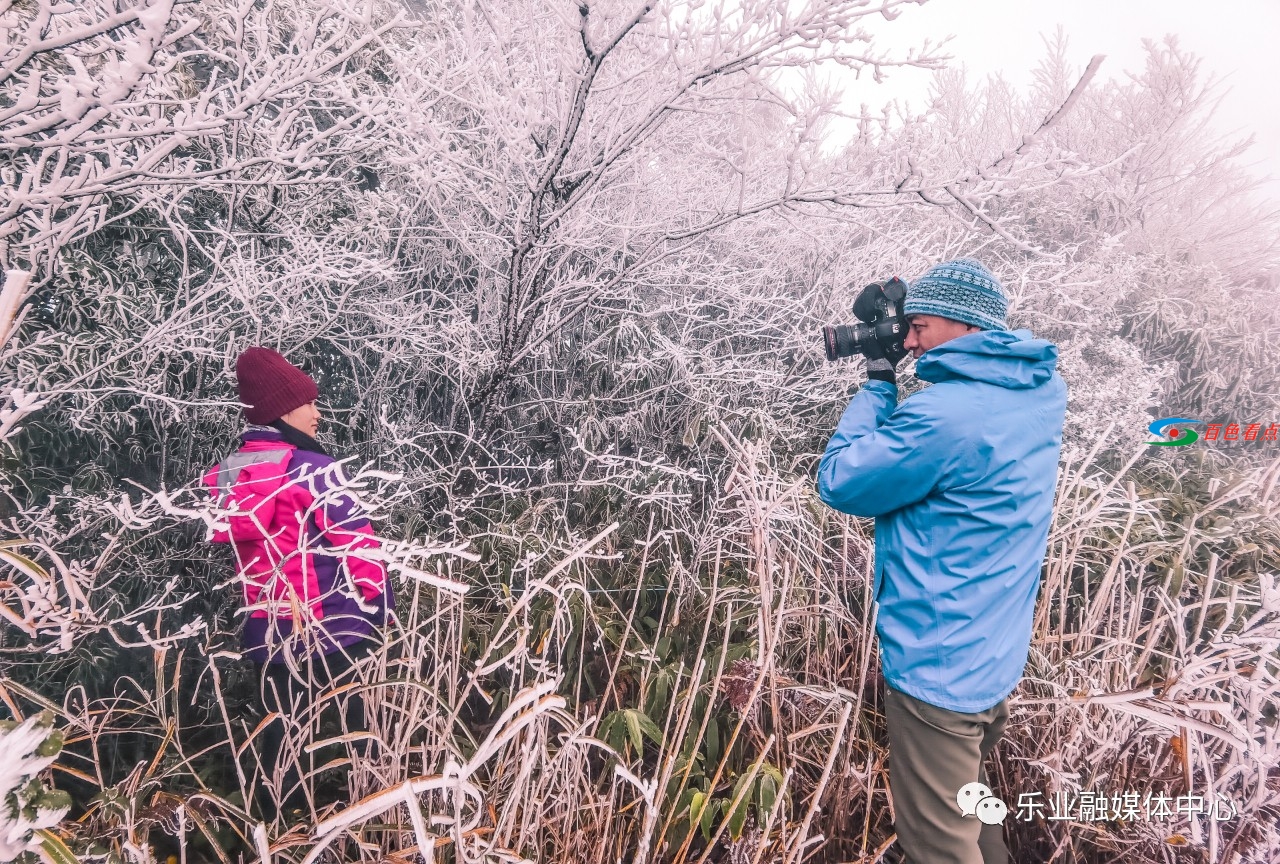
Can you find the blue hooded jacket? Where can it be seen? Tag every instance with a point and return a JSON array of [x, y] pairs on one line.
[[960, 478]]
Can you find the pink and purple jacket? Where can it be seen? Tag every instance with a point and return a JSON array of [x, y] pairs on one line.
[[293, 530]]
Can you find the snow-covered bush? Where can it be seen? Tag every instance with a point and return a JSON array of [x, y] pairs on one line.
[[559, 269], [27, 803]]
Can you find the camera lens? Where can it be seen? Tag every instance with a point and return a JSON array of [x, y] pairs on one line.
[[841, 341]]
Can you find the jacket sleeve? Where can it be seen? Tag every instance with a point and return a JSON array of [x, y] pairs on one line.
[[884, 456], [342, 522]]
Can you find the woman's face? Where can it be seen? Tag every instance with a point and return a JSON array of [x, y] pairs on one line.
[[304, 418]]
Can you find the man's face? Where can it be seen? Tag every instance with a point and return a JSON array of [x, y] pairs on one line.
[[929, 331]]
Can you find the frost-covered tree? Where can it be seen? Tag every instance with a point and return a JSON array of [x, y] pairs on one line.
[[558, 269]]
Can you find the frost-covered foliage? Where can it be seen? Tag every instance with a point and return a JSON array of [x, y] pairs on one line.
[[558, 269], [26, 803], [1110, 383]]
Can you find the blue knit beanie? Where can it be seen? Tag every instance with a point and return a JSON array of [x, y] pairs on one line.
[[962, 290]]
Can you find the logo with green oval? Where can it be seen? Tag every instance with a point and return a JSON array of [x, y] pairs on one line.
[[1173, 432]]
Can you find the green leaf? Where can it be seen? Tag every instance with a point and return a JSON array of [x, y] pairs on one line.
[[739, 815], [633, 729], [53, 799], [52, 846], [52, 745], [649, 728], [709, 816], [25, 565], [696, 802], [713, 741], [661, 692], [766, 795], [696, 779], [613, 730]]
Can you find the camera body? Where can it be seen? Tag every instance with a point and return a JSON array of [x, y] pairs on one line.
[[884, 327]]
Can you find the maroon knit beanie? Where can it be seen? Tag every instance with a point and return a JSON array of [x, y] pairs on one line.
[[271, 386]]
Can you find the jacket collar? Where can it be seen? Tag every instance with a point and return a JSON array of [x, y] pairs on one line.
[[254, 432]]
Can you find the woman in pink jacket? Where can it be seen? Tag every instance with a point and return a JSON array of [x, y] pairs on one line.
[[315, 597]]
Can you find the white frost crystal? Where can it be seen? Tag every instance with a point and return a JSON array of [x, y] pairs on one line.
[[26, 804]]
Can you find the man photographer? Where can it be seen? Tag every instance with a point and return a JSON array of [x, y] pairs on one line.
[[960, 478]]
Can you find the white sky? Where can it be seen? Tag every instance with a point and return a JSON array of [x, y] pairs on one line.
[[1235, 39]]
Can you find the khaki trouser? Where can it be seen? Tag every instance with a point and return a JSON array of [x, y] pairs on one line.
[[932, 753]]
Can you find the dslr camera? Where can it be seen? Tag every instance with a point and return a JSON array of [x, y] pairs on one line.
[[883, 328]]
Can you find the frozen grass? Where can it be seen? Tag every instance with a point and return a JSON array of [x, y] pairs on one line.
[[745, 700], [569, 317]]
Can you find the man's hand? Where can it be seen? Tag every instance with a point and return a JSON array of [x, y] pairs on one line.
[[897, 353], [879, 366], [881, 370]]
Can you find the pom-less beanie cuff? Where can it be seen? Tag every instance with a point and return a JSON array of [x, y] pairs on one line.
[[962, 290], [271, 386]]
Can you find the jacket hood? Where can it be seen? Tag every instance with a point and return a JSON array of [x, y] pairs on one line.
[[1012, 359]]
